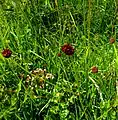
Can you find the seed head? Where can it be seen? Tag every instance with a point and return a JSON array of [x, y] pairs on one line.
[[112, 40], [59, 54], [94, 69], [68, 49], [6, 53]]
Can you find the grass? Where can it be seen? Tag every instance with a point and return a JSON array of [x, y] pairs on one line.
[[35, 31]]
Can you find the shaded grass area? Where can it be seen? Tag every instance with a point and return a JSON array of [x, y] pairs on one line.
[[35, 31]]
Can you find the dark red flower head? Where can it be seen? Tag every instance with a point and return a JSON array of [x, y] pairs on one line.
[[68, 49], [94, 69], [6, 53], [112, 40]]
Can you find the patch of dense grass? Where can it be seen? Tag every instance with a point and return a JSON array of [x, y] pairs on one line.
[[35, 31]]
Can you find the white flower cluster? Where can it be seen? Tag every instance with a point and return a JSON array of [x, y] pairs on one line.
[[42, 73], [38, 77]]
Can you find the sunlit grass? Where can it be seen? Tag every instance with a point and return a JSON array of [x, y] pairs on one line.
[[36, 32]]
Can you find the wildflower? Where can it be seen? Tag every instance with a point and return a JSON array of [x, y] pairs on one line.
[[41, 82], [37, 78], [38, 71], [94, 69], [28, 78], [68, 49], [59, 54], [49, 76], [112, 40], [6, 53]]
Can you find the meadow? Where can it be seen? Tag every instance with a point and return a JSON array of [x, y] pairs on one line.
[[58, 59]]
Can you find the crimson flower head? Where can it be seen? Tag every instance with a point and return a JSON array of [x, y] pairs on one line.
[[94, 69], [6, 53], [67, 49]]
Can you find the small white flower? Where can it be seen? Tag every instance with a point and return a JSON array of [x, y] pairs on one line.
[[28, 78], [49, 76], [40, 71]]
